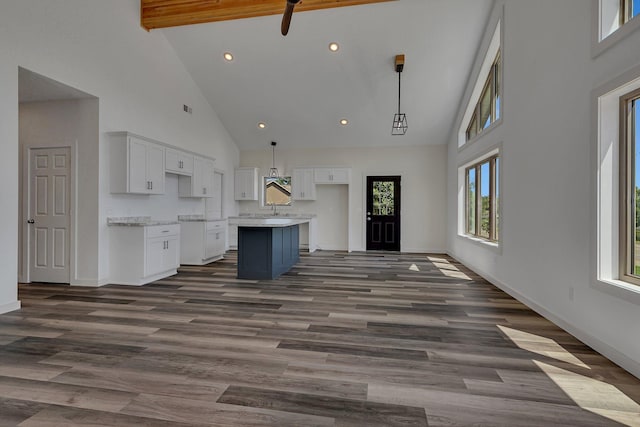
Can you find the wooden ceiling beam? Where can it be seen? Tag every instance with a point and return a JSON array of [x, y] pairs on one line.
[[173, 13]]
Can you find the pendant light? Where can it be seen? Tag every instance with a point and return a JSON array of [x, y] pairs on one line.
[[400, 119], [273, 172]]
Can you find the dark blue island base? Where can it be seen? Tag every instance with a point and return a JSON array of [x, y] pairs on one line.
[[267, 252]]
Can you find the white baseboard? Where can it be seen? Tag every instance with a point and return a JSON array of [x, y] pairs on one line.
[[12, 306], [91, 283], [627, 363]]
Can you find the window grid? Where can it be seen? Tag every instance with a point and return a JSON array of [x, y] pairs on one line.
[[492, 85], [475, 206]]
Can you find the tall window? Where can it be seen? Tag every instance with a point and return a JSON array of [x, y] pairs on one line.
[[487, 110], [630, 186], [628, 10], [482, 199]]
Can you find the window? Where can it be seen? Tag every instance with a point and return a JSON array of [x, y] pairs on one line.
[[616, 20], [482, 199], [487, 110], [628, 10], [277, 191], [630, 187]]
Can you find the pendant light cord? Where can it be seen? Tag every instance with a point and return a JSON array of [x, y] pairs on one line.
[[399, 76]]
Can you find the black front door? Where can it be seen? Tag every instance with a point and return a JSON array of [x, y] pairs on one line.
[[383, 213]]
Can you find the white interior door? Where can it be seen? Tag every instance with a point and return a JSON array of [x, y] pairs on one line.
[[49, 218]]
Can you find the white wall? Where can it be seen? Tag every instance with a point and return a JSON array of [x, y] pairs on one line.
[[99, 48], [423, 171], [548, 191]]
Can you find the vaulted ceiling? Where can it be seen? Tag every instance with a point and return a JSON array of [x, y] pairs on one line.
[[301, 90]]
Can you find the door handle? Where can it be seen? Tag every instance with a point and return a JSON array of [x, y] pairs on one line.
[[31, 221]]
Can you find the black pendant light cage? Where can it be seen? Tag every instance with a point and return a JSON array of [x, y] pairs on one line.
[[400, 125], [273, 172]]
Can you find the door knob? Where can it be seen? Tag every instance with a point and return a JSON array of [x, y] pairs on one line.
[[31, 221]]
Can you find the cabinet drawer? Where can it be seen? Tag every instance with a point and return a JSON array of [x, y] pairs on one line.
[[215, 225], [162, 230]]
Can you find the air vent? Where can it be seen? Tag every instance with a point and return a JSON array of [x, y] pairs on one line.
[[187, 109]]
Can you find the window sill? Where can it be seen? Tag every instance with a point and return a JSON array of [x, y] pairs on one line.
[[481, 135], [598, 47], [487, 244], [619, 289]]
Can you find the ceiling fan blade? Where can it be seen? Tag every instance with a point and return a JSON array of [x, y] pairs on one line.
[[286, 18]]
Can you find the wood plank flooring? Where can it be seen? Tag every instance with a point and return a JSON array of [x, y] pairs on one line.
[[373, 339]]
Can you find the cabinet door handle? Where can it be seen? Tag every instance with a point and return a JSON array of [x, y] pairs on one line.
[[204, 190]]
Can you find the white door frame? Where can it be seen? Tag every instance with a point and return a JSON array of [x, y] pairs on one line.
[[25, 194]]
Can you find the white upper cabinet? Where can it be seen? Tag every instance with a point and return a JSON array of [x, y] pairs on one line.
[[200, 183], [332, 175], [303, 186], [136, 165], [178, 162], [246, 184]]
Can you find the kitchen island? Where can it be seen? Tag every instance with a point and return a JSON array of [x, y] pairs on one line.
[[267, 247]]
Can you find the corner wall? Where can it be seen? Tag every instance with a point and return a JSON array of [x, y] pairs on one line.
[[548, 197]]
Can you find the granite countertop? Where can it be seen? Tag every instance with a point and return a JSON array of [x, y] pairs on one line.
[[197, 218], [279, 215], [247, 221], [137, 221]]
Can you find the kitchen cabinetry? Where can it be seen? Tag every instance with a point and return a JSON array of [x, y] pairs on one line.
[[303, 186], [332, 175], [142, 254], [246, 184], [136, 165], [202, 241], [178, 162], [200, 183]]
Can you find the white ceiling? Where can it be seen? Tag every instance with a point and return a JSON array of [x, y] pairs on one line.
[[301, 90]]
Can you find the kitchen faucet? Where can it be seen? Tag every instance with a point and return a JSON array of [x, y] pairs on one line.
[[273, 206]]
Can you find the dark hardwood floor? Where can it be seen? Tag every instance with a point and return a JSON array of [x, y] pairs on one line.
[[342, 340]]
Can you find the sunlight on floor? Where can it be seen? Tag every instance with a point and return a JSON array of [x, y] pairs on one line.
[[541, 345], [447, 269], [414, 267], [595, 396]]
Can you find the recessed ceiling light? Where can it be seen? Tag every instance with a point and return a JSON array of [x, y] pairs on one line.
[[344, 122], [262, 125], [334, 47], [228, 56]]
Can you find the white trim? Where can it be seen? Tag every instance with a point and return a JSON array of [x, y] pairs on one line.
[[605, 104], [603, 348], [91, 283], [12, 306], [490, 54]]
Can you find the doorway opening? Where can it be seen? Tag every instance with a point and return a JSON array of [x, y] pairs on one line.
[[58, 137]]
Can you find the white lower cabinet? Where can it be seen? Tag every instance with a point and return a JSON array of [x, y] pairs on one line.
[[142, 254], [202, 241]]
